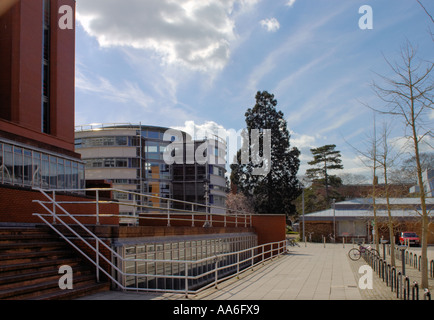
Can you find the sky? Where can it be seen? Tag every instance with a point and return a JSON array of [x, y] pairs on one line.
[[197, 64]]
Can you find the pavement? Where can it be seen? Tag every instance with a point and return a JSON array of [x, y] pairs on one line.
[[309, 272]]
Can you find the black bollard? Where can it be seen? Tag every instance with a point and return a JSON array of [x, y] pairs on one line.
[[403, 261]]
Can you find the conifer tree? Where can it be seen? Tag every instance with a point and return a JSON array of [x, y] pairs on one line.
[[275, 191], [325, 158]]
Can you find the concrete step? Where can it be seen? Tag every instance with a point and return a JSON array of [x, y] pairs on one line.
[[31, 246], [30, 259], [31, 278], [50, 287]]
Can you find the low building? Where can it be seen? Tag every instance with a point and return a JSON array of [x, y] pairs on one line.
[[353, 220]]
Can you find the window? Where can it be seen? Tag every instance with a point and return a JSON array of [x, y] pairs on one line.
[[53, 172], [153, 134], [218, 171], [8, 167], [45, 171], [45, 112], [36, 170], [61, 173], [18, 165]]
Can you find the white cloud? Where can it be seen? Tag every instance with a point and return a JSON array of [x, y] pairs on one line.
[[195, 34], [271, 25], [128, 92], [290, 3]]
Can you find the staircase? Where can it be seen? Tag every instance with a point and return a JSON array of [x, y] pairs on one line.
[[30, 258]]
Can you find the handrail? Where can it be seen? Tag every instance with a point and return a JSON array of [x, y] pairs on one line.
[[281, 248], [168, 211]]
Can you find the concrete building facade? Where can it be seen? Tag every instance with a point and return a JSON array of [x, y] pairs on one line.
[[132, 158]]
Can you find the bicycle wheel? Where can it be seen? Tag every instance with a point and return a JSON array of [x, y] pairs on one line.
[[354, 254], [375, 252]]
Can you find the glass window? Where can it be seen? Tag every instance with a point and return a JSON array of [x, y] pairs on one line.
[[27, 167], [151, 146], [153, 134], [121, 163], [45, 171], [36, 172], [53, 172], [121, 141], [8, 168], [18, 166], [218, 171], [61, 173], [81, 181], [109, 163], [68, 175]]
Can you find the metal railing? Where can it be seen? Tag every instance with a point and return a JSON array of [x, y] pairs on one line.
[[116, 270], [397, 280], [146, 206]]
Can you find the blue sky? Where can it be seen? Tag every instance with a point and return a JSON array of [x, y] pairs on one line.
[[199, 63]]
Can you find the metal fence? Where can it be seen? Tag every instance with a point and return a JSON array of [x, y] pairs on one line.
[[395, 279], [149, 207], [186, 276]]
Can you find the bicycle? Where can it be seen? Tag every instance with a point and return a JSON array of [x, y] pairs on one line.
[[356, 253], [293, 243]]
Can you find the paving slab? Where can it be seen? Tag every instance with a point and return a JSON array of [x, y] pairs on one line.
[[309, 272]]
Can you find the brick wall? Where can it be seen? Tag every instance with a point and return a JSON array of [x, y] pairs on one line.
[[318, 230], [268, 227], [17, 206]]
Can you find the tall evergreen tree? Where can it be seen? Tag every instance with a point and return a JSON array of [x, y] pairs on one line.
[[274, 191], [325, 158]]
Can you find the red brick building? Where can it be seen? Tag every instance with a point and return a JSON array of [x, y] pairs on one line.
[[37, 63]]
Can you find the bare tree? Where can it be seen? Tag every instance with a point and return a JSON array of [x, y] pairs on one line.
[[380, 155], [408, 94], [386, 158]]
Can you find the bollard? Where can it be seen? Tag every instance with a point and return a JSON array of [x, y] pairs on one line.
[[427, 294], [407, 288], [403, 261], [415, 288], [399, 285], [432, 268], [393, 278]]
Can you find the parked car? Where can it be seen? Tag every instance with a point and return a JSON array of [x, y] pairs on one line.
[[408, 236]]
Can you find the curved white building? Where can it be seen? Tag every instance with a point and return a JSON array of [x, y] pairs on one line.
[[132, 157]]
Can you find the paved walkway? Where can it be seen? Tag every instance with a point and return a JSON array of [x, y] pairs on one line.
[[311, 272]]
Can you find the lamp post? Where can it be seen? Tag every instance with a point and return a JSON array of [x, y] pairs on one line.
[[206, 187], [334, 220], [302, 208]]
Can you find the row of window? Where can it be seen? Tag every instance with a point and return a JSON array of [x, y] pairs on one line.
[[113, 163], [26, 167], [109, 141], [121, 141]]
